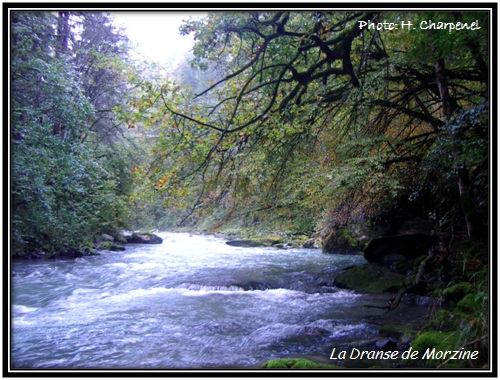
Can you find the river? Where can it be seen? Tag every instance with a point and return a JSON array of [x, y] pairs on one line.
[[191, 302]]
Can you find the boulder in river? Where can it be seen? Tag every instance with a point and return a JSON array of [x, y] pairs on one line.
[[369, 277], [245, 243], [258, 242], [144, 238]]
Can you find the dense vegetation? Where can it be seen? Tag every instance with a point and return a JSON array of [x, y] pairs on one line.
[[71, 162], [287, 122], [309, 124]]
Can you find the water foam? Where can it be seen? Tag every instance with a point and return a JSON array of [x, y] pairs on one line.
[[209, 288], [22, 309]]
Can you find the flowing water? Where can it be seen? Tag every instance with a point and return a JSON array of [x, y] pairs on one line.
[[191, 302]]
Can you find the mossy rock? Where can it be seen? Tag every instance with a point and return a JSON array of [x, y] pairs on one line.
[[269, 240], [245, 243], [297, 364], [91, 252], [369, 277], [342, 241], [311, 243], [144, 238], [109, 246], [105, 245], [120, 239], [445, 320], [456, 292], [258, 241], [440, 340], [345, 237]]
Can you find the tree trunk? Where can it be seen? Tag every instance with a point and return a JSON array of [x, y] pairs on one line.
[[444, 93], [63, 33], [462, 174]]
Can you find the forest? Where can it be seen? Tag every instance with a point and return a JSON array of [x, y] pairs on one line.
[[335, 127]]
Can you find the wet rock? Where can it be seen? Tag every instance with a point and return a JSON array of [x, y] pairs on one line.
[[70, 253], [109, 246], [342, 241], [245, 243], [107, 237], [252, 285], [259, 242], [369, 277], [387, 344], [144, 238], [310, 243], [120, 239]]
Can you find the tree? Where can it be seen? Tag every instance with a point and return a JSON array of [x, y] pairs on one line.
[[317, 116], [62, 192]]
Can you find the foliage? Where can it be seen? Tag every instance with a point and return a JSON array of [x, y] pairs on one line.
[[309, 124], [441, 341], [66, 186]]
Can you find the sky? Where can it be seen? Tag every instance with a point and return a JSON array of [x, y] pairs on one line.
[[156, 33]]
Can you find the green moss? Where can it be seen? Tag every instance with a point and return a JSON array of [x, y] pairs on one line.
[[456, 292], [296, 364], [435, 339], [444, 320], [469, 303], [109, 246], [342, 241], [345, 237], [369, 277], [267, 240], [106, 245], [440, 340], [92, 252]]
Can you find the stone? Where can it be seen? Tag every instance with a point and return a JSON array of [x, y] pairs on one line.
[[369, 277], [245, 243], [388, 344], [109, 246], [121, 239], [340, 242], [107, 237], [144, 238], [310, 243], [269, 241]]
